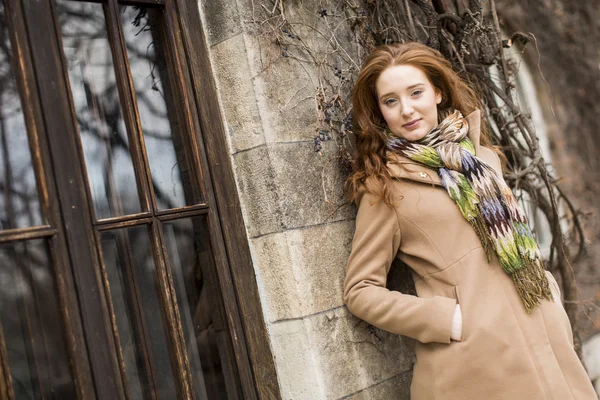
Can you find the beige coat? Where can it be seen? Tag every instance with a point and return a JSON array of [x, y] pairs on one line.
[[504, 353]]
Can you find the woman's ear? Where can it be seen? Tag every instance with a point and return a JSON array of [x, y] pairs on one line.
[[438, 96]]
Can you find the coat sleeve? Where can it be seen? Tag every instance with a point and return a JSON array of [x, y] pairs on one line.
[[374, 246]]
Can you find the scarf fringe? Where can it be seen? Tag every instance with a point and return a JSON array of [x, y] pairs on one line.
[[532, 284], [481, 229]]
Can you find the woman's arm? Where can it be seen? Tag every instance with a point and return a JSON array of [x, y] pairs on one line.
[[374, 247]]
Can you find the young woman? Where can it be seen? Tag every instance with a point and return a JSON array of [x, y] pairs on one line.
[[487, 317]]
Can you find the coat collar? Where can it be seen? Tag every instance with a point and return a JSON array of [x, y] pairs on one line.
[[403, 167]]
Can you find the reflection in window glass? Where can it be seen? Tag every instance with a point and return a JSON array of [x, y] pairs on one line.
[[99, 116], [168, 157], [30, 319], [131, 272], [19, 205], [196, 285]]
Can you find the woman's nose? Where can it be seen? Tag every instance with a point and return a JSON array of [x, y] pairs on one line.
[[407, 109]]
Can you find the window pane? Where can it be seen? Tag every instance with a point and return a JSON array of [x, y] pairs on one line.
[[194, 276], [134, 289], [19, 205], [167, 153], [31, 323], [99, 116]]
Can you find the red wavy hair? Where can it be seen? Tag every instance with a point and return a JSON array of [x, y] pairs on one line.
[[370, 158]]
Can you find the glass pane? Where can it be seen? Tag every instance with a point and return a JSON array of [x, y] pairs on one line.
[[99, 116], [19, 205], [134, 289], [194, 276], [31, 323], [167, 153]]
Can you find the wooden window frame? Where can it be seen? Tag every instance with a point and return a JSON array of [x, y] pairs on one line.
[[72, 232]]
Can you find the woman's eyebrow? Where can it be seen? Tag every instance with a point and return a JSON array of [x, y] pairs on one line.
[[414, 86], [408, 88]]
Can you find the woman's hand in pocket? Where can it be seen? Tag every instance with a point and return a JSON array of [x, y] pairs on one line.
[[456, 329]]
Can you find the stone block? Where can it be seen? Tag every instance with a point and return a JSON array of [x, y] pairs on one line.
[[286, 97], [275, 275], [310, 186], [221, 20], [351, 354], [294, 362], [319, 254], [289, 186], [257, 189], [301, 272], [237, 95]]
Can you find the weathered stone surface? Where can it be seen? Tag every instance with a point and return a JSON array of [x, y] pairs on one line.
[[288, 76], [289, 186], [275, 273], [310, 186], [221, 20], [301, 272], [345, 354], [396, 388], [236, 92], [296, 370], [319, 256], [352, 354], [257, 186], [286, 97]]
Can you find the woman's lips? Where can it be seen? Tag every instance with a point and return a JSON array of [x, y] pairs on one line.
[[412, 125]]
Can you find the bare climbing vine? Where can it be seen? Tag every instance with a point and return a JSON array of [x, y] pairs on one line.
[[329, 40]]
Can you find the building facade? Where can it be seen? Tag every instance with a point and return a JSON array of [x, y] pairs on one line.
[[172, 221]]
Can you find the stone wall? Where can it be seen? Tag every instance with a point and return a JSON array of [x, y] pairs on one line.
[[298, 224]]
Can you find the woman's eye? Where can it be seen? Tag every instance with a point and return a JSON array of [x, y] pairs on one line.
[[417, 92], [388, 101]]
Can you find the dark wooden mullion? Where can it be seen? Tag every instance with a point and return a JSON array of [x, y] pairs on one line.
[[129, 106], [66, 163], [166, 290], [23, 74], [35, 232], [124, 224], [34, 333], [142, 2], [200, 208], [183, 214], [166, 215], [132, 292], [47, 194], [122, 218], [113, 317], [220, 318], [6, 389], [235, 249], [183, 103]]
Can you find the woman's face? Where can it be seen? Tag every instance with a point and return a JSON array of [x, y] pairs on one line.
[[408, 101]]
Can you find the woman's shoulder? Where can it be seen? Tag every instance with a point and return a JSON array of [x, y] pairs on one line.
[[371, 191], [491, 157]]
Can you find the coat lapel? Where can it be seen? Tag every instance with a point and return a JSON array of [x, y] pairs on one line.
[[402, 167]]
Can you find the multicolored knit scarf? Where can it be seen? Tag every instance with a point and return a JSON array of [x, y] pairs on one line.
[[484, 200]]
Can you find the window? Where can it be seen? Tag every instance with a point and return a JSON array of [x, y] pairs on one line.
[[114, 277]]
